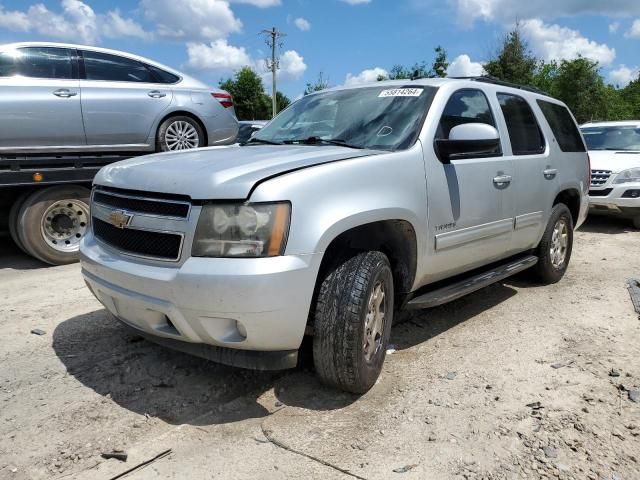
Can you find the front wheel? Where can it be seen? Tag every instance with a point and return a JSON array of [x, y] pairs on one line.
[[636, 222], [352, 322], [554, 250], [179, 133]]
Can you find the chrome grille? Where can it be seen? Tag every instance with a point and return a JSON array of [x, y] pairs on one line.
[[142, 203], [599, 177]]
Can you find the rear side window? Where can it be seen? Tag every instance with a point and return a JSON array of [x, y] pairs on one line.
[[465, 106], [524, 131], [38, 62], [162, 76], [562, 126], [103, 66]]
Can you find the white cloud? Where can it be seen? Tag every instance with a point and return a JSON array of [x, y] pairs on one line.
[[356, 2], [622, 75], [365, 76], [634, 31], [302, 24], [553, 42], [76, 22], [613, 27], [507, 10], [192, 20], [462, 66], [292, 65], [218, 55]]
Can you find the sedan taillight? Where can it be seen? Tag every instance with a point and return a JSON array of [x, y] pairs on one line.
[[225, 99]]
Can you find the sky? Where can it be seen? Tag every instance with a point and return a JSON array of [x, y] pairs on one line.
[[349, 41]]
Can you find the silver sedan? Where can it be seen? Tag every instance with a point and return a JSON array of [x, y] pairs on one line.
[[70, 98]]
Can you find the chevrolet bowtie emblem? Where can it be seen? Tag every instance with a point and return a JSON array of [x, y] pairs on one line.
[[120, 218]]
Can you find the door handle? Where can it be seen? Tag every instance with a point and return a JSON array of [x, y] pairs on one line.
[[502, 180], [64, 93], [156, 94], [550, 173]]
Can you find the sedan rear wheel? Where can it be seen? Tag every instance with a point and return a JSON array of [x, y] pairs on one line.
[[180, 133]]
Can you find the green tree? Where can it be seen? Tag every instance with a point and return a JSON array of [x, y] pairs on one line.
[[249, 98], [440, 63], [578, 83], [631, 97], [513, 62], [322, 83], [282, 102]]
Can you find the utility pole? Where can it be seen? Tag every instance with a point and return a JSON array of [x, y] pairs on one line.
[[274, 64]]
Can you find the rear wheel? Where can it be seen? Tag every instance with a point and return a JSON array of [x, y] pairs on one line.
[[179, 133], [52, 221], [352, 322], [554, 250], [636, 222], [13, 220]]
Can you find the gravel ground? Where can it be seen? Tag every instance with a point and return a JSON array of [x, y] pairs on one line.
[[514, 381]]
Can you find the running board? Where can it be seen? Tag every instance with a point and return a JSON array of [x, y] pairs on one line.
[[468, 285]]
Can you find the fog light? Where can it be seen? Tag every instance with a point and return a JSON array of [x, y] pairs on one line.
[[241, 330], [38, 177], [631, 194]]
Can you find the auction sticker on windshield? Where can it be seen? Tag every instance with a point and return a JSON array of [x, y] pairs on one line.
[[401, 92]]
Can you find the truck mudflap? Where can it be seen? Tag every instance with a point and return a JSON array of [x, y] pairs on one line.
[[249, 359]]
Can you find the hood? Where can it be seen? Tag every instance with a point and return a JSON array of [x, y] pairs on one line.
[[224, 173], [614, 161]]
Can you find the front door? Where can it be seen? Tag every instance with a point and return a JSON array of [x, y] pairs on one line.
[[39, 99], [469, 200], [120, 101]]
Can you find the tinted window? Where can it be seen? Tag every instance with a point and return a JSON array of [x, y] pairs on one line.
[[37, 62], [161, 76], [524, 131], [465, 106], [102, 66], [562, 126], [620, 138]]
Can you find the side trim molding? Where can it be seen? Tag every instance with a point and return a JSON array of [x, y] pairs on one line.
[[472, 234], [532, 219]]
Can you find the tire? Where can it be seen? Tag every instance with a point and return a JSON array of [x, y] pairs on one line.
[[636, 222], [13, 220], [172, 130], [52, 221], [553, 263], [341, 355]]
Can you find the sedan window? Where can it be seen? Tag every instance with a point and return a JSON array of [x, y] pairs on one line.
[[37, 62], [102, 66]]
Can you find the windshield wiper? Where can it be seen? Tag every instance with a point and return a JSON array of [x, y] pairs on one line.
[[320, 141], [260, 140]]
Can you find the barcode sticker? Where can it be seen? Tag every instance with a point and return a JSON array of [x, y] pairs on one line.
[[401, 92]]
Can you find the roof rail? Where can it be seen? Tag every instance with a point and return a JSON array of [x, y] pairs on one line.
[[497, 81]]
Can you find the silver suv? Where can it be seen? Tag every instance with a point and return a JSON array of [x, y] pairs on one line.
[[72, 98], [349, 205]]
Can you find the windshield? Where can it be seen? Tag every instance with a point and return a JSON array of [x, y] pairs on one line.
[[612, 138], [379, 118]]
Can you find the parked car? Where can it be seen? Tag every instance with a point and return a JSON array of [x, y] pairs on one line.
[[614, 148], [71, 98], [248, 128], [351, 204]]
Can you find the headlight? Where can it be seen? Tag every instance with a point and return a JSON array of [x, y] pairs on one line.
[[627, 176], [236, 230]]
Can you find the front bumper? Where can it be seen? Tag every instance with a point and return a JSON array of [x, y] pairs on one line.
[[244, 304], [615, 200]]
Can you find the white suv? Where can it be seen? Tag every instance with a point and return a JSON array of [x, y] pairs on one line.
[[614, 148]]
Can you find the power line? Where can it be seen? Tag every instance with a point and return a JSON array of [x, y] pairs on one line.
[[273, 65]]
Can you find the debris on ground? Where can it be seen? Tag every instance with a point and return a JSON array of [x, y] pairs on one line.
[[405, 469], [634, 395], [37, 331], [451, 375], [117, 454], [633, 285], [614, 373]]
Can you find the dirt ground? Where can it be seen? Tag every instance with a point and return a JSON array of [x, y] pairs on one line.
[[514, 381]]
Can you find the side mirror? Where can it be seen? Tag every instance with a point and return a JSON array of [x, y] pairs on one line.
[[469, 140]]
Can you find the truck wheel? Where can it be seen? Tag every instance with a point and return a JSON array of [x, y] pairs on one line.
[[554, 250], [13, 220], [52, 221], [352, 322], [179, 133], [636, 222]]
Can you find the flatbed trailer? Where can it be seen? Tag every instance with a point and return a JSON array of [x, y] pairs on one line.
[[44, 201]]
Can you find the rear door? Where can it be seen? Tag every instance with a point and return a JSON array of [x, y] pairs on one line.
[[535, 178], [470, 212], [121, 99], [40, 98]]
